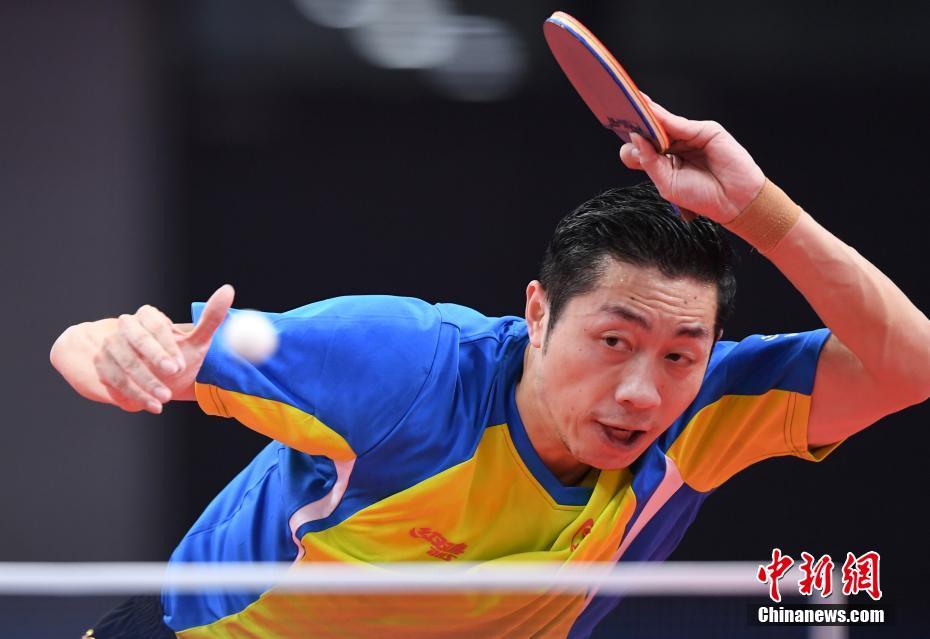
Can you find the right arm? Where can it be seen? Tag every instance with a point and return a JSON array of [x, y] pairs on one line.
[[139, 361]]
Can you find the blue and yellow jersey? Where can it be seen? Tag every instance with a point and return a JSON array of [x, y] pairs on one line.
[[396, 438]]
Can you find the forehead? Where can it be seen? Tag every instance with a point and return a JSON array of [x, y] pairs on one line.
[[645, 289]]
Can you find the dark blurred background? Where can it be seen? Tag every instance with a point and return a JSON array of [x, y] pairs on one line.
[[302, 149]]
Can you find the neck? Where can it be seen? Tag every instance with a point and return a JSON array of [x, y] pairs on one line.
[[540, 425]]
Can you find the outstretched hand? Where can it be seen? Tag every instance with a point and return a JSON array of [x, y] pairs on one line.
[[705, 171], [149, 360]]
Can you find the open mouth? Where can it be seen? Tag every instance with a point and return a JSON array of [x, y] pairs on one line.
[[624, 437]]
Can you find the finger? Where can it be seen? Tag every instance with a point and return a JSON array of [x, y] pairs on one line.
[[125, 356], [130, 406], [677, 127], [214, 312], [122, 390], [162, 328], [140, 332], [108, 373], [629, 155]]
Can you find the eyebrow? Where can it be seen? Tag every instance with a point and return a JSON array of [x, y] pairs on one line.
[[628, 314]]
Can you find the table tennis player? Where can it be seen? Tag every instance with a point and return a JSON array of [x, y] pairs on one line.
[[590, 429]]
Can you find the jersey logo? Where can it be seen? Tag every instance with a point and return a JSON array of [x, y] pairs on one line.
[[582, 533], [442, 548]]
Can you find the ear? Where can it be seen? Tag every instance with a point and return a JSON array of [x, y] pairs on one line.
[[537, 313]]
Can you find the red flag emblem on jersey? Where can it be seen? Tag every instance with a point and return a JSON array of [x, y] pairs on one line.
[[581, 533]]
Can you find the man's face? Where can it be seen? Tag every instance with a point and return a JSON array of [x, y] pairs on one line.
[[622, 361]]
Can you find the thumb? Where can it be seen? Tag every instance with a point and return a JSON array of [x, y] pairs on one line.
[[214, 312], [629, 155], [657, 167]]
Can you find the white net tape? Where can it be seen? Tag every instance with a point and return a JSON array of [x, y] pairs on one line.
[[644, 579], [674, 579]]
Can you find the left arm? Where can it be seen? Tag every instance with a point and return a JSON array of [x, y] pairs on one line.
[[878, 359]]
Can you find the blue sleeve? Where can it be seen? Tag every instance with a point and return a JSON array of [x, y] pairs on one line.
[[760, 363], [345, 372]]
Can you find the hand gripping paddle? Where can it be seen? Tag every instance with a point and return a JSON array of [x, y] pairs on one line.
[[603, 84]]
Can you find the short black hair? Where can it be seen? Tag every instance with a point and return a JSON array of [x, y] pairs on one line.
[[635, 225]]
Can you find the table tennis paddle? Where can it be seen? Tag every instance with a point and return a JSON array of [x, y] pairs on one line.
[[602, 83], [600, 80]]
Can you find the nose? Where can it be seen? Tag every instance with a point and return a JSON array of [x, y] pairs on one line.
[[638, 389]]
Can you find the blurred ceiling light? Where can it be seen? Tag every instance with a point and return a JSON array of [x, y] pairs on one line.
[[338, 14], [406, 34], [485, 65]]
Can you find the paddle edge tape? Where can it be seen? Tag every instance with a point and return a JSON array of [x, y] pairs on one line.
[[617, 72]]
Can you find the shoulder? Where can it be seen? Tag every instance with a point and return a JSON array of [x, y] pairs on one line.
[[385, 311], [755, 367], [350, 365], [376, 348], [479, 347], [472, 326], [404, 328], [759, 363], [360, 333]]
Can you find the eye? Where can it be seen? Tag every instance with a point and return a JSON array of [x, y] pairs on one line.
[[616, 343], [679, 358]]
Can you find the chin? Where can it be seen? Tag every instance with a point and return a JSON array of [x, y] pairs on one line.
[[612, 465], [608, 462]]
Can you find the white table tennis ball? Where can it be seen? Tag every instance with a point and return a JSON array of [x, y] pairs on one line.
[[251, 335]]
